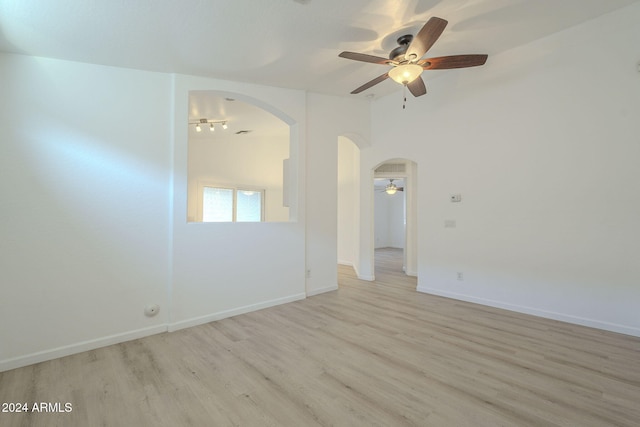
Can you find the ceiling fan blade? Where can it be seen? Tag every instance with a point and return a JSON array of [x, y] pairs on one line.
[[371, 83], [427, 36], [417, 87], [454, 61], [363, 57]]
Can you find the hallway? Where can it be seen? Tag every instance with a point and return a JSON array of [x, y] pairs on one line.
[[388, 270]]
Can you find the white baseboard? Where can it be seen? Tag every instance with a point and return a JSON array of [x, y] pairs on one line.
[[363, 277], [342, 262], [68, 350], [43, 356], [322, 290], [233, 312], [592, 323]]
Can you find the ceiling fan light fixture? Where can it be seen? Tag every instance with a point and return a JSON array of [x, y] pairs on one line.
[[406, 73], [391, 189]]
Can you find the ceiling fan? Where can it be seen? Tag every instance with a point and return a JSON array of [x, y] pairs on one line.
[[406, 59], [391, 188]]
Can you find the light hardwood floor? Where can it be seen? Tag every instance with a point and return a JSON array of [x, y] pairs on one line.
[[369, 354], [389, 269]]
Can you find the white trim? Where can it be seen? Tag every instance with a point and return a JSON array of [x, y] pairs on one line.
[[233, 312], [370, 278], [347, 263], [592, 323], [322, 290], [67, 350]]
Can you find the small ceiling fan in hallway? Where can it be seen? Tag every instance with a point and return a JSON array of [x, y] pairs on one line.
[[391, 188]]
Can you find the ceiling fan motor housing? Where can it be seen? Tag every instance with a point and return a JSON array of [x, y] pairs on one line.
[[397, 54]]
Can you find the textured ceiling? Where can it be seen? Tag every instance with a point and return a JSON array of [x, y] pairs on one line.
[[284, 43]]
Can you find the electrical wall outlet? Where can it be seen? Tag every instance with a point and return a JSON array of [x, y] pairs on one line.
[[455, 198], [459, 275]]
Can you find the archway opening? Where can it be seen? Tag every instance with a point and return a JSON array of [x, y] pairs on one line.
[[238, 161]]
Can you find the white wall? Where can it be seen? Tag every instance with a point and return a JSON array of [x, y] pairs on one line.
[[84, 223], [328, 117], [348, 200], [389, 220], [94, 213], [247, 160], [542, 143], [381, 219], [220, 269], [397, 222]]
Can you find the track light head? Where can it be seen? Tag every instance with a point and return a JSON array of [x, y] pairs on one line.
[[212, 124]]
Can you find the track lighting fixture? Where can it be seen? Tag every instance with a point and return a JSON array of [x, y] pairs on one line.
[[200, 122]]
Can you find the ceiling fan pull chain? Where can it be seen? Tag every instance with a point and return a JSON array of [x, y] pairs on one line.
[[404, 93]]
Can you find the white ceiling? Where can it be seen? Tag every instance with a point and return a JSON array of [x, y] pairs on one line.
[[284, 43]]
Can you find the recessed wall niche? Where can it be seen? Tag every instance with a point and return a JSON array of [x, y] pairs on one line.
[[237, 161]]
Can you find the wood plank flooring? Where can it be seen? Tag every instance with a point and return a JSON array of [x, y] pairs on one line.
[[389, 269], [369, 354]]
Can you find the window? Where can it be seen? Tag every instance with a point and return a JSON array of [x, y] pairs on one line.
[[232, 205], [217, 204], [248, 206]]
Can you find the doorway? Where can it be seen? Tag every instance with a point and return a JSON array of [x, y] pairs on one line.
[[394, 218], [355, 222], [389, 225]]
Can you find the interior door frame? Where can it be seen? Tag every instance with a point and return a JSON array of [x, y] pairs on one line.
[[410, 190]]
